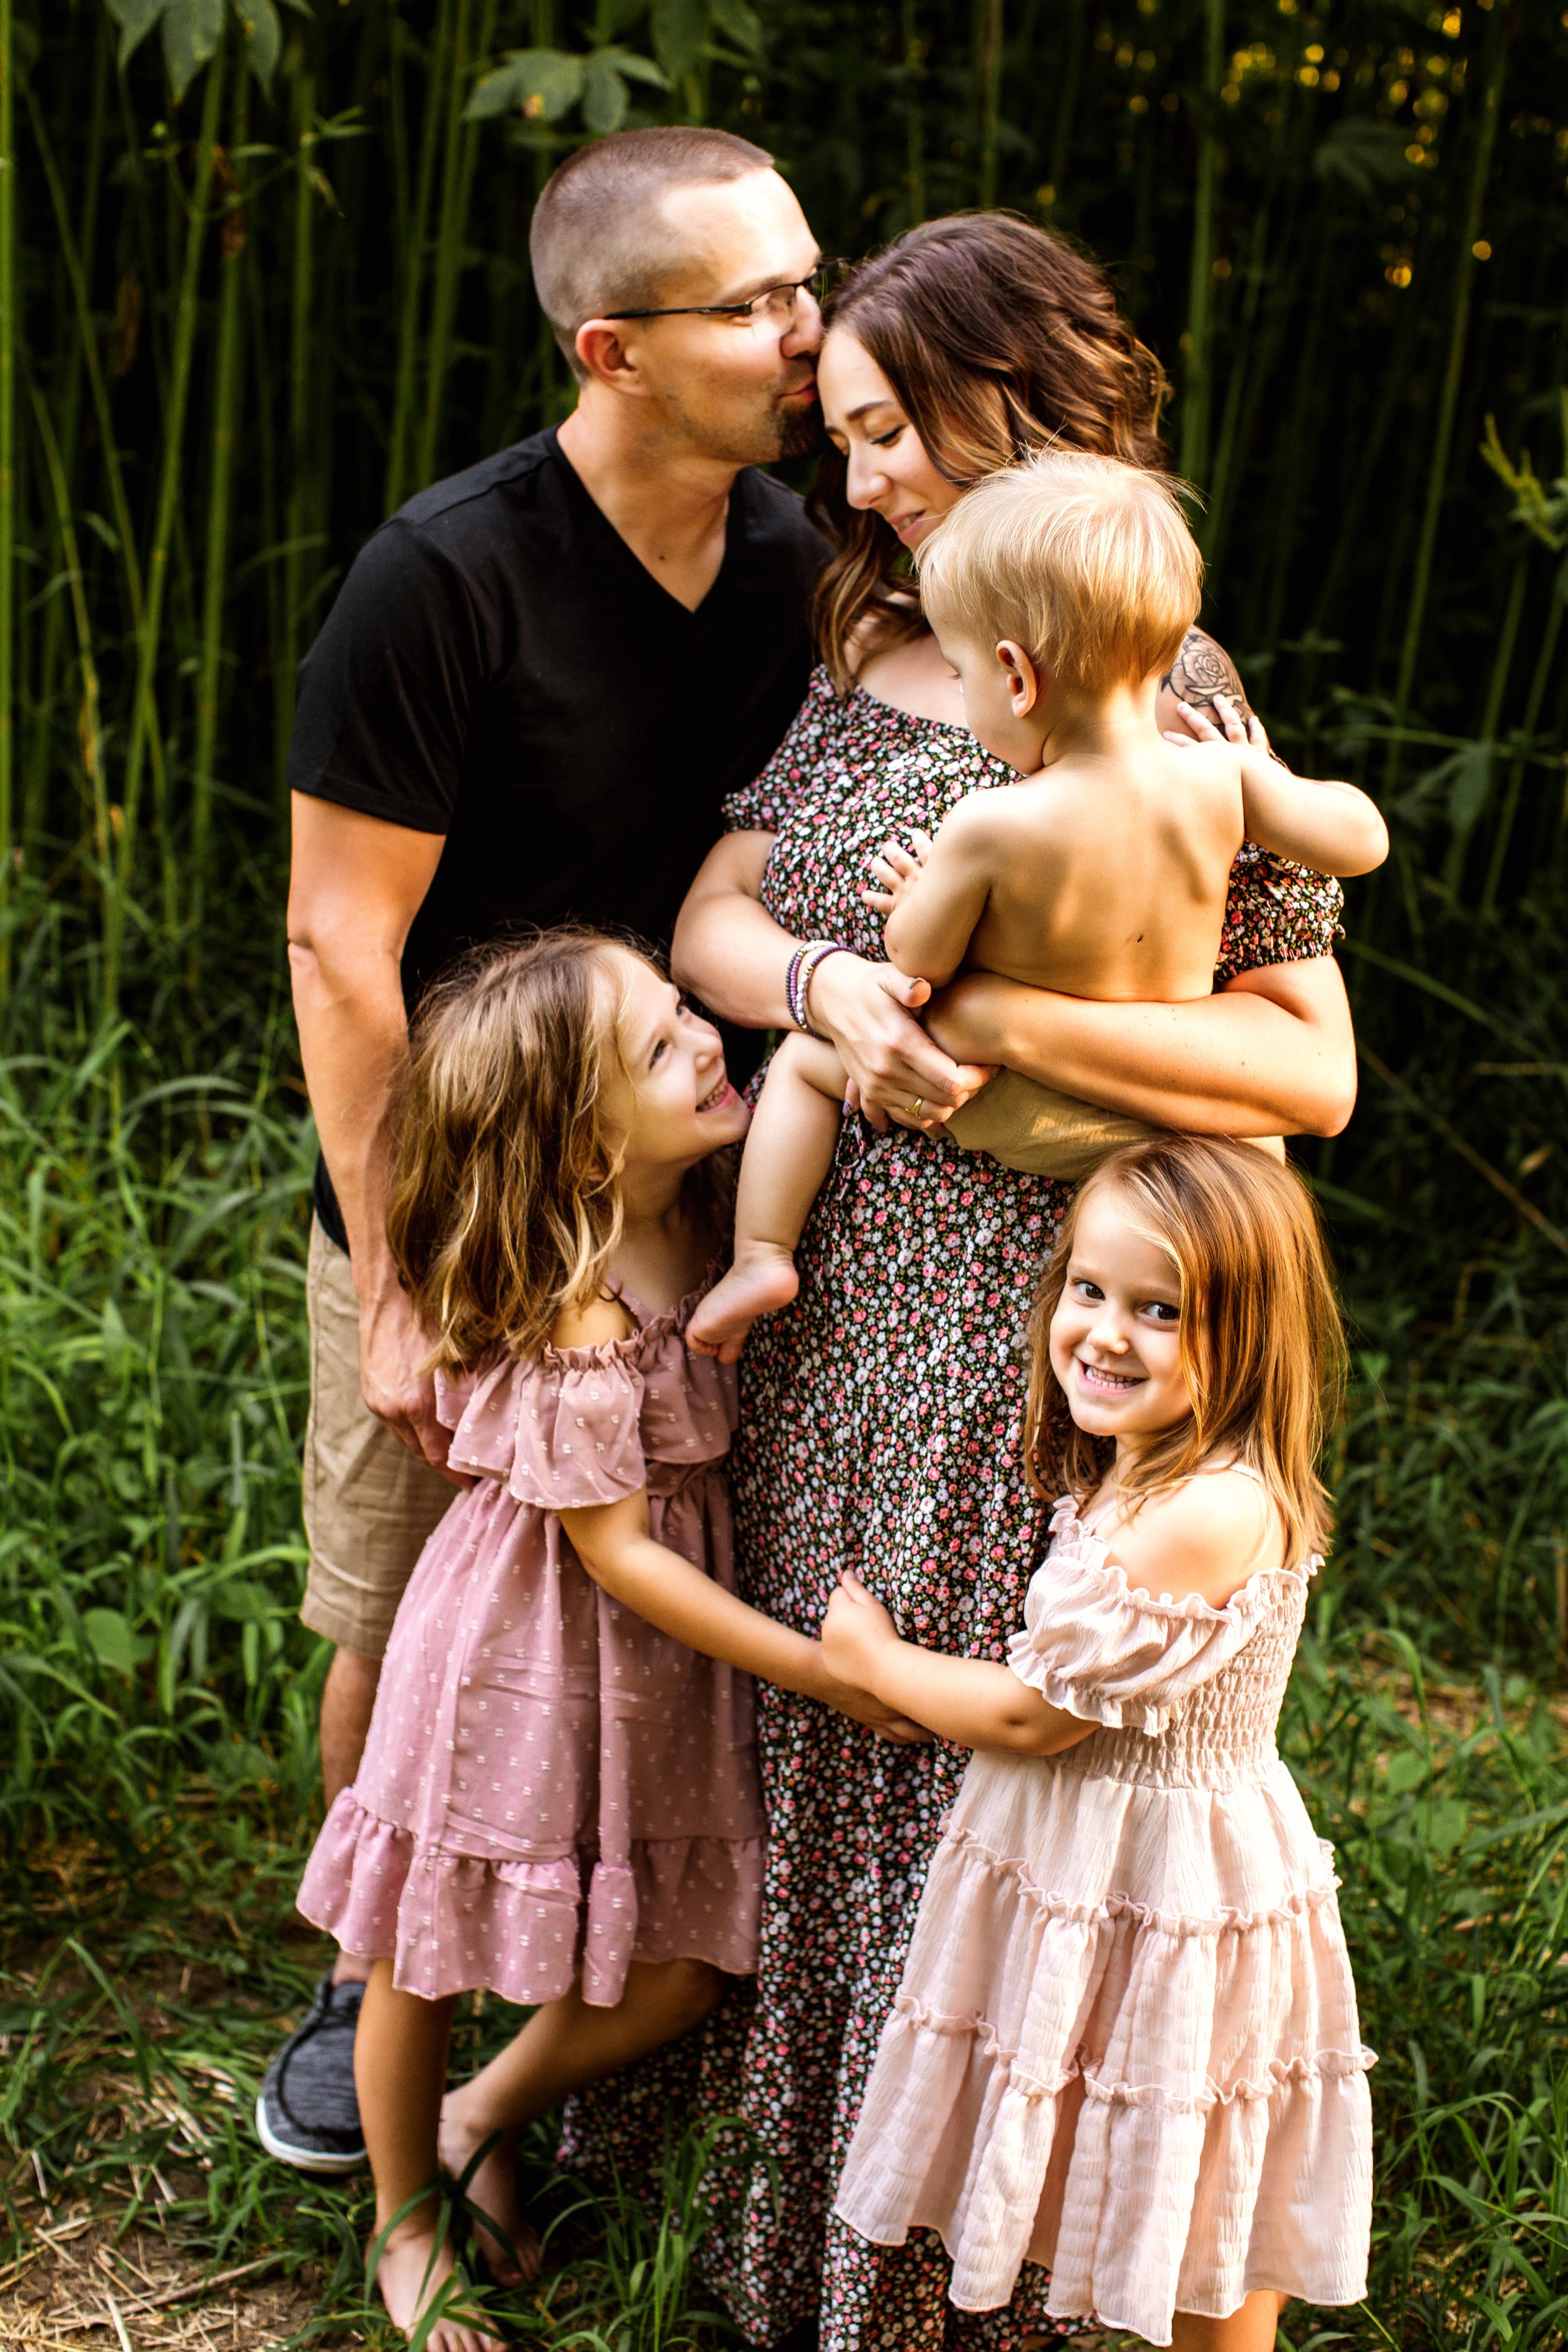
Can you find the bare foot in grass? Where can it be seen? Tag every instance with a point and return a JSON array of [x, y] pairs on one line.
[[762, 1280], [411, 2273], [492, 2191]]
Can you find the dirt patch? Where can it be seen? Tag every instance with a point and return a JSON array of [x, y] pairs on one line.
[[73, 2286]]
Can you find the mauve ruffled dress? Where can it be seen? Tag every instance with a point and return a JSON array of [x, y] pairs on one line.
[[550, 1786], [1128, 1975]]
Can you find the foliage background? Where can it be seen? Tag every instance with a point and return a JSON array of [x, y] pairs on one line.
[[262, 274]]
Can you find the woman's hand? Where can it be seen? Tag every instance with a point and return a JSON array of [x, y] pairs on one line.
[[857, 1632], [895, 1070]]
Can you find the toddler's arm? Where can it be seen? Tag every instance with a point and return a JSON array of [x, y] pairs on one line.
[[969, 1700], [614, 1545], [1334, 828], [934, 900]]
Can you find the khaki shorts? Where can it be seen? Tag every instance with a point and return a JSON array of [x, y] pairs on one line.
[[369, 1503]]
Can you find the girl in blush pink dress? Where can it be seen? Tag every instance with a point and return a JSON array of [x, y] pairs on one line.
[[1126, 2041], [557, 1801]]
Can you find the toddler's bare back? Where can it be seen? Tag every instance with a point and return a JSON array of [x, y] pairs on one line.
[[1100, 879]]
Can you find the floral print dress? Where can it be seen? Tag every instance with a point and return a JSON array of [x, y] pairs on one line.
[[880, 1421]]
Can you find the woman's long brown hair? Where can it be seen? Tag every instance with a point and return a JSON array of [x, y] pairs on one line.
[[1261, 1342], [998, 339], [506, 1204]]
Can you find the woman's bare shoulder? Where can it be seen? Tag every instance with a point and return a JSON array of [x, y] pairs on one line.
[[1200, 670]]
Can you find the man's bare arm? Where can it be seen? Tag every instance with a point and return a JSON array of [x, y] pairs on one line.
[[355, 887], [1272, 1054]]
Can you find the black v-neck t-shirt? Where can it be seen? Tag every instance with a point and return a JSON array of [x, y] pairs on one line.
[[499, 669]]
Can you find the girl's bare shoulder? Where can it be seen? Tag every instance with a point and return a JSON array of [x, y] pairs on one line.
[[599, 1324], [1205, 1538]]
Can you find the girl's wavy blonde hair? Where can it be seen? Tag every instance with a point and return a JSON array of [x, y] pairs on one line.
[[1262, 1346], [506, 1204]]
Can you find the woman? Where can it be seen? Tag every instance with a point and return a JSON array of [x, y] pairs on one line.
[[881, 1413]]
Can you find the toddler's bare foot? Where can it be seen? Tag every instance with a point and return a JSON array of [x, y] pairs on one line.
[[410, 2273], [492, 2190], [762, 1280]]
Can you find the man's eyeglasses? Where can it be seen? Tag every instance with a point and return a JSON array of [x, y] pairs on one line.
[[774, 306]]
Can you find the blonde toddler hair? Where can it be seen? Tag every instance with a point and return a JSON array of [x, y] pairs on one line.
[[1087, 564]]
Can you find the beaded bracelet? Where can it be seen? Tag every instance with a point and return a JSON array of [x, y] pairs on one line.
[[803, 972]]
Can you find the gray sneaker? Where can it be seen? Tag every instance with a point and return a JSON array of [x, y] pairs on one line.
[[308, 2114]]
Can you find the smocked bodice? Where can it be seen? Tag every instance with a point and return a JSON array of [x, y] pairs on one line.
[[1186, 1696]]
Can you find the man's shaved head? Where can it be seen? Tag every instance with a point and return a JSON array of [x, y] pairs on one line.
[[600, 241]]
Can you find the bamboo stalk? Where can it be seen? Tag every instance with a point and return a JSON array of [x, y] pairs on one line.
[[220, 495], [1067, 102], [1497, 686], [1545, 661], [35, 796], [400, 453], [300, 465], [456, 193], [914, 112], [1494, 67], [10, 343], [988, 16], [143, 718], [89, 720], [1194, 442]]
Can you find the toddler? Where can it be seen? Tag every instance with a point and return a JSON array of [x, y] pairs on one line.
[[1126, 2044], [1059, 591], [557, 1801]]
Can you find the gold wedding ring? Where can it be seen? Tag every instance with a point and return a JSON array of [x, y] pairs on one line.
[[918, 1107]]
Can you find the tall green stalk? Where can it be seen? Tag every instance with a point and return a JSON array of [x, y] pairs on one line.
[[35, 794], [1196, 343], [143, 716], [89, 716], [1545, 664], [1494, 66], [300, 457], [400, 456], [1067, 102], [914, 112], [451, 235], [988, 90], [226, 398], [10, 341]]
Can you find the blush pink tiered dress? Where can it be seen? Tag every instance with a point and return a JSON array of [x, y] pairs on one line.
[[1128, 2002], [549, 1785]]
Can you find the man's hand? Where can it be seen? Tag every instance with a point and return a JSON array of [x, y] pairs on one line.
[[392, 1352], [895, 1071]]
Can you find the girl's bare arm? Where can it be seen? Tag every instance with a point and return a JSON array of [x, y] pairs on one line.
[[968, 1700], [614, 1545]]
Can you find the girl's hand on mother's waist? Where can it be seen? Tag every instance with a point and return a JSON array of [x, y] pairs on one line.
[[895, 1070]]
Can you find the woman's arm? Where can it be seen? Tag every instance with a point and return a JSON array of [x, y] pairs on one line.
[[729, 950], [1271, 1054], [968, 1700], [614, 1545]]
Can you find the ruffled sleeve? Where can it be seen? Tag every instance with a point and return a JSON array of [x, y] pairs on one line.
[[1110, 1656], [1275, 913], [763, 805], [564, 1432]]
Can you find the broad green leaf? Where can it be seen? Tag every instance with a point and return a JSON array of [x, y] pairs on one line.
[[192, 31], [260, 18], [1446, 1825], [634, 67], [1364, 155], [679, 27], [739, 23], [604, 96], [1405, 1771], [112, 1641], [136, 19], [540, 82]]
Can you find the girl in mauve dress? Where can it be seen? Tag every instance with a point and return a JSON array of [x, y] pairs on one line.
[[557, 1801], [1126, 2046]]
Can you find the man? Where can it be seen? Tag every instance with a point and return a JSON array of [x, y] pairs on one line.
[[538, 682]]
